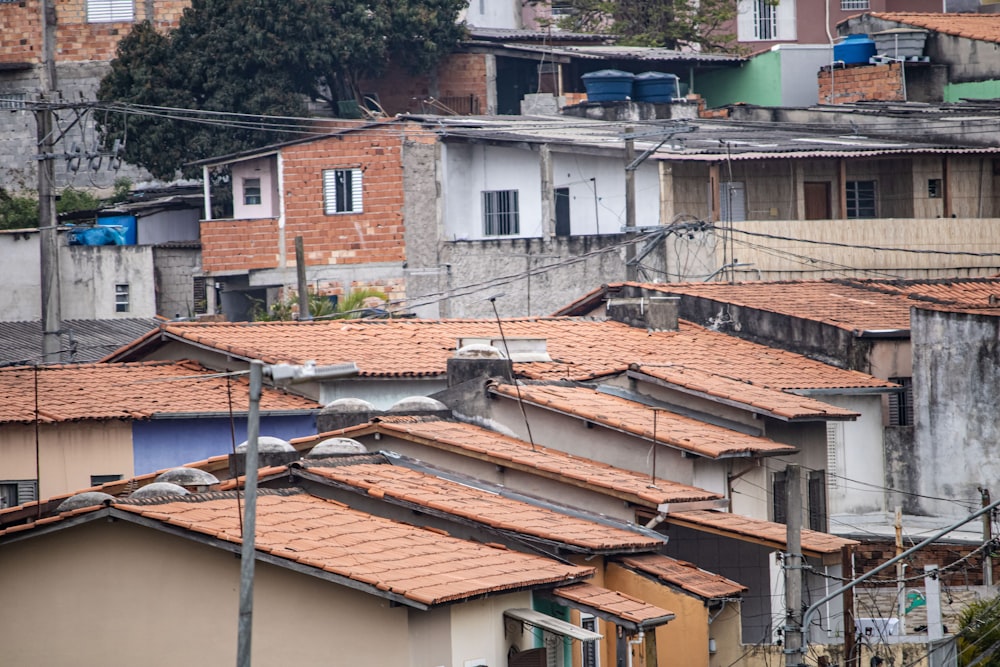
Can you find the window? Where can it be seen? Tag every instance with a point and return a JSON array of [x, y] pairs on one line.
[[562, 211], [97, 480], [121, 298], [934, 188], [251, 191], [199, 295], [500, 213], [12, 100], [17, 492], [110, 11], [765, 20], [816, 490], [778, 497], [591, 657], [341, 191], [901, 403], [861, 199], [853, 4]]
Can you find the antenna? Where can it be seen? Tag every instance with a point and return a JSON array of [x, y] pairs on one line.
[[517, 388]]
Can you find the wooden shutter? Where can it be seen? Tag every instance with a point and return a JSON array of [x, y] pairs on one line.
[[329, 191], [356, 201], [110, 11]]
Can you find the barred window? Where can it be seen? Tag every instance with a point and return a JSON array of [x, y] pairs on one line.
[[853, 4], [110, 11], [862, 201], [500, 213]]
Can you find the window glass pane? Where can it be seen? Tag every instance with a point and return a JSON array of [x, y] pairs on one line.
[[251, 191], [121, 299], [861, 199], [500, 213]]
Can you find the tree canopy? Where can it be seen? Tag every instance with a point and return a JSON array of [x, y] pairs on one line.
[[671, 24], [262, 58]]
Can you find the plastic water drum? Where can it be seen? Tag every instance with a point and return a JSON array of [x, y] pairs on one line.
[[655, 87], [854, 49], [608, 85]]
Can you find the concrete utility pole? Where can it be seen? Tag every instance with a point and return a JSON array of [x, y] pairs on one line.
[[48, 235], [631, 270], [987, 537], [300, 271], [793, 566]]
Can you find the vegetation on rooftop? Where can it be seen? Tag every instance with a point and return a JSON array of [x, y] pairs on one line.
[[20, 211], [359, 303]]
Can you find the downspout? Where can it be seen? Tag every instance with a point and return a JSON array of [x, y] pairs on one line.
[[639, 639]]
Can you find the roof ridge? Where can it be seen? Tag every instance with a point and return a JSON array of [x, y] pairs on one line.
[[206, 496]]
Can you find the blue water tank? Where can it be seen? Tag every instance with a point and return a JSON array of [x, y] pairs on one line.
[[608, 85], [125, 222], [655, 87], [854, 49]]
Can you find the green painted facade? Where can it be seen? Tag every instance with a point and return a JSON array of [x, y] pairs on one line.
[[974, 90], [757, 81]]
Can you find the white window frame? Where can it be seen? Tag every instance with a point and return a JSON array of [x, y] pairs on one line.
[[759, 21], [501, 213], [252, 192], [110, 11], [851, 5], [336, 184], [122, 304]]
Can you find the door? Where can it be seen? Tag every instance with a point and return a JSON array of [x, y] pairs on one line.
[[562, 211], [817, 195]]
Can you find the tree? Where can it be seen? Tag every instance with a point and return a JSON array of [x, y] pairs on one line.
[[979, 637], [261, 58], [672, 24]]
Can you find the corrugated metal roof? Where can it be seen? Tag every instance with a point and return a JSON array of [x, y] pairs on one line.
[[81, 340], [637, 53]]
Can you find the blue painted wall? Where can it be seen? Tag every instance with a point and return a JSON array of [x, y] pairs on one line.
[[166, 443]]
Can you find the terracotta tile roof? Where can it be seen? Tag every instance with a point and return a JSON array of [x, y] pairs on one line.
[[671, 429], [420, 565], [581, 349], [128, 391], [985, 27], [685, 576], [623, 609], [967, 292], [489, 509], [486, 445], [757, 530], [771, 402]]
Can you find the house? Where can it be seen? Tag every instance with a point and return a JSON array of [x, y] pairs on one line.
[[346, 579], [945, 63], [67, 427], [387, 204]]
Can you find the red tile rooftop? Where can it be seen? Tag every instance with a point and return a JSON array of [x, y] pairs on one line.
[[581, 349], [628, 611], [757, 530], [678, 431], [128, 391], [419, 565], [985, 27], [762, 400], [486, 445], [686, 576], [489, 509]]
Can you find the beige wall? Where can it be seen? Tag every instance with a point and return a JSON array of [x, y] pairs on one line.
[[116, 594], [69, 453]]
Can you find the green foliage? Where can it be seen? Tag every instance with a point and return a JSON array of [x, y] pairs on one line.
[[351, 306], [979, 639], [665, 23], [21, 211], [263, 58]]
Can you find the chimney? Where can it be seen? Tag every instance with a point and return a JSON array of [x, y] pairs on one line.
[[654, 313], [474, 360]]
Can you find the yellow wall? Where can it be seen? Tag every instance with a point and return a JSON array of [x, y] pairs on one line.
[[69, 453]]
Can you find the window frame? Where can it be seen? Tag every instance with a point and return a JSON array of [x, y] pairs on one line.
[[123, 305], [110, 11], [501, 211], [25, 491], [853, 5], [252, 192], [860, 204], [343, 191]]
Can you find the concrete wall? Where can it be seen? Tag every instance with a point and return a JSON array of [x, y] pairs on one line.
[[265, 170], [69, 453], [186, 604], [175, 269], [89, 275], [856, 458], [956, 435], [493, 14]]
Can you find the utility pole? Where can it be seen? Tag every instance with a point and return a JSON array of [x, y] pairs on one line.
[[987, 537], [900, 573], [300, 271], [793, 566], [631, 270], [48, 233]]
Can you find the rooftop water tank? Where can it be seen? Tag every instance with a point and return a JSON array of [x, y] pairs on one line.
[[657, 87], [608, 85], [854, 50]]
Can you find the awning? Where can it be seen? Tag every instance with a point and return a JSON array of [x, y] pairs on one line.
[[551, 624]]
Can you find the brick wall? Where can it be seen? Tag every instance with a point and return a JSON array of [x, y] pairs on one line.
[[76, 40], [459, 75], [862, 83], [372, 236], [968, 572]]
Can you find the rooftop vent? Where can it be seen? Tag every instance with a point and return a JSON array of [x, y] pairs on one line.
[[654, 313], [191, 479], [336, 447], [518, 350], [414, 404], [267, 444], [157, 489], [86, 499], [271, 451], [344, 413], [476, 360]]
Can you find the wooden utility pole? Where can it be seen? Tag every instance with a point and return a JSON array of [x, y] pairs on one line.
[[793, 566]]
